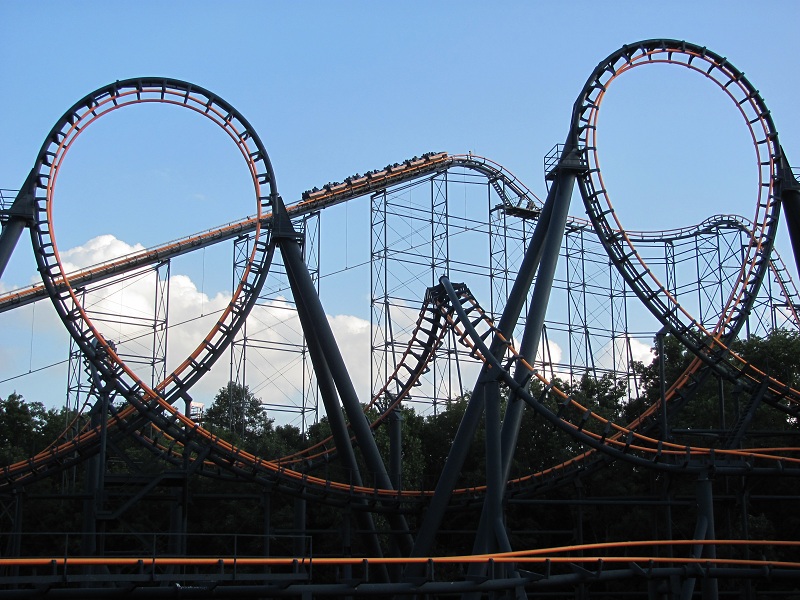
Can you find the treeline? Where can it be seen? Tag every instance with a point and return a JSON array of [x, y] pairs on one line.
[[601, 501], [26, 427]]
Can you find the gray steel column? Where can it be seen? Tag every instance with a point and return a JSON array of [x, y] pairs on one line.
[[396, 447], [326, 355], [662, 383], [266, 503], [559, 199], [316, 326], [8, 240], [341, 437], [790, 203], [705, 505], [791, 208], [472, 414], [495, 484], [21, 213], [563, 187], [300, 547], [704, 530]]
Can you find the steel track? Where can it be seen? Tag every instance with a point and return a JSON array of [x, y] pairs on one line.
[[448, 307]]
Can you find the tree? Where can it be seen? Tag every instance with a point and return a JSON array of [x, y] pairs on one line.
[[237, 411], [716, 405], [25, 428], [778, 354]]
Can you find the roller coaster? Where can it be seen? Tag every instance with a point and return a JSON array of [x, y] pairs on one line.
[[547, 276]]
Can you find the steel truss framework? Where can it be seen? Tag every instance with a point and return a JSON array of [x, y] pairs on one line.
[[703, 286], [259, 338], [600, 317]]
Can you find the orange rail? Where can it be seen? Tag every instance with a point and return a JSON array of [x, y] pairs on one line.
[[540, 555]]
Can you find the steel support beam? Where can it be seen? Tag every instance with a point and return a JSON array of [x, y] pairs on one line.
[[475, 406], [20, 214], [790, 202], [326, 356], [561, 193], [341, 437]]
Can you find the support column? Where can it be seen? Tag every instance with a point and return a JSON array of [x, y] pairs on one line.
[[316, 326], [299, 548], [8, 240], [95, 475], [662, 384], [745, 516], [704, 530], [15, 537], [705, 506], [341, 439], [20, 214], [790, 202], [396, 448], [552, 235], [546, 229], [266, 503], [327, 358], [531, 338]]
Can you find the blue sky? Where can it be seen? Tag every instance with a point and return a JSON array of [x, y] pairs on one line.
[[335, 88]]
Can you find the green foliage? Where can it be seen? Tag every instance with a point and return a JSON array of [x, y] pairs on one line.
[[777, 355], [714, 407], [239, 416], [546, 516], [413, 463], [437, 435], [25, 428], [235, 409]]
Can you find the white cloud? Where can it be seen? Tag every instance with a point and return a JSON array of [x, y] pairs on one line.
[[352, 336], [96, 250], [274, 369], [640, 351], [617, 352], [549, 353]]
